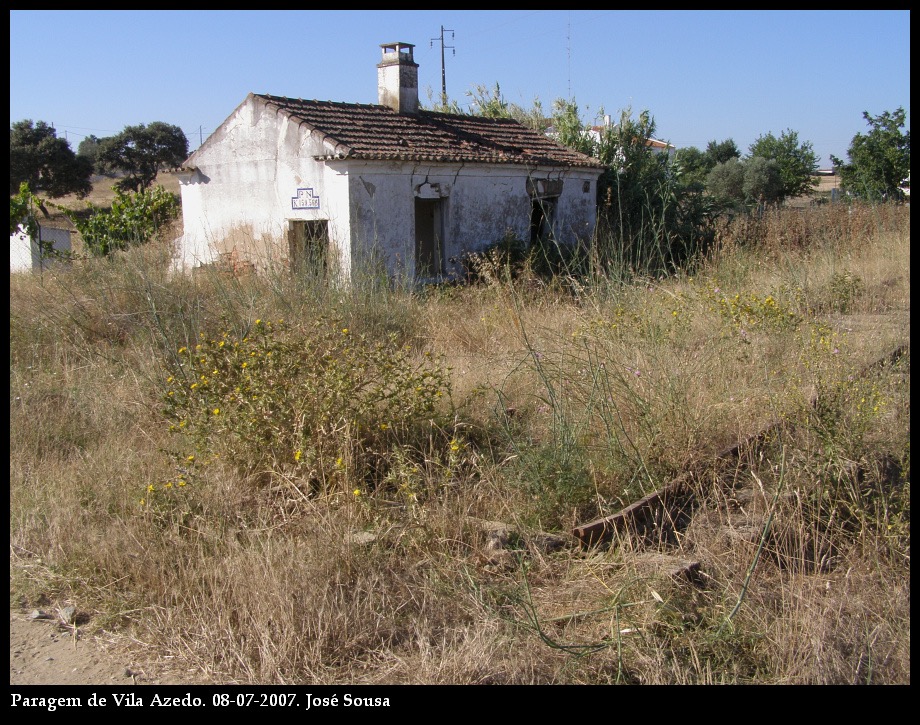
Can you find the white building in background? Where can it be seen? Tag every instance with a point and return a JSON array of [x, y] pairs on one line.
[[26, 254], [387, 185], [656, 146]]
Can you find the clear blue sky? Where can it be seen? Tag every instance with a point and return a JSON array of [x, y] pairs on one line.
[[703, 75]]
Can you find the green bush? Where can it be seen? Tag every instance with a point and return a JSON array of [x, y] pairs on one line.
[[512, 258], [132, 220], [322, 405]]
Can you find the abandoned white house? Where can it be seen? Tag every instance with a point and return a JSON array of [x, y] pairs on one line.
[[388, 184]]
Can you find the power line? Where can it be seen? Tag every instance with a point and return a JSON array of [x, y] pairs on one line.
[[568, 44], [443, 73]]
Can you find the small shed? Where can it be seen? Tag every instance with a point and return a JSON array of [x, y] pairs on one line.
[[34, 255], [346, 186]]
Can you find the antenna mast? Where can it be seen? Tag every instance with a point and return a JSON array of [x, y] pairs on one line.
[[568, 45], [443, 73]]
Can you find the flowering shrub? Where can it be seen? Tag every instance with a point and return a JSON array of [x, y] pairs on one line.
[[844, 289], [752, 312], [321, 404]]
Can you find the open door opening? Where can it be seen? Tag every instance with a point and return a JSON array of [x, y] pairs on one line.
[[308, 247], [429, 247], [542, 216]]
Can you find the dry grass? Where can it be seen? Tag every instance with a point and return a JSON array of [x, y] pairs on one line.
[[562, 407]]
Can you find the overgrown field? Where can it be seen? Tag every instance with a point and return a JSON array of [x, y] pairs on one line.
[[278, 482]]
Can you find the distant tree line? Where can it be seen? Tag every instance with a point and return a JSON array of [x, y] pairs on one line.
[[39, 158], [660, 208], [774, 170]]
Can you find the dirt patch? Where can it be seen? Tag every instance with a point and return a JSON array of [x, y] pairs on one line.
[[44, 650]]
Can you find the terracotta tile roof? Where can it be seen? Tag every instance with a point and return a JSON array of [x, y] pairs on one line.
[[366, 131]]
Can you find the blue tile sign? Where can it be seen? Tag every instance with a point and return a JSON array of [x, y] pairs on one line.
[[305, 200]]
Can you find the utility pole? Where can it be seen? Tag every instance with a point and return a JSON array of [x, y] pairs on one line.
[[200, 136], [568, 45], [443, 74]]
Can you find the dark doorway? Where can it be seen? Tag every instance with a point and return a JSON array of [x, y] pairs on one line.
[[308, 243], [542, 216], [429, 250]]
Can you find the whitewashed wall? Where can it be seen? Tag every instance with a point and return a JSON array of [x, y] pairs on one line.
[[24, 252], [481, 204], [240, 198]]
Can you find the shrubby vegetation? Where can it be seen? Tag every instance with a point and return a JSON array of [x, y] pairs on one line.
[[796, 161], [321, 403], [275, 480], [131, 220], [50, 167], [294, 501], [879, 161], [22, 210], [45, 162], [140, 152]]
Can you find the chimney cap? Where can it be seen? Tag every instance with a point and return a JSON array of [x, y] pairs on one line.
[[402, 51]]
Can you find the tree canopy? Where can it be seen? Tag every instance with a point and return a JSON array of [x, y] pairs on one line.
[[89, 148], [45, 162], [718, 152], [797, 162], [879, 159], [141, 151], [763, 182], [696, 165], [725, 182]]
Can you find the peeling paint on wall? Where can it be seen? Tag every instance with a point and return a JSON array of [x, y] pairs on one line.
[[259, 171]]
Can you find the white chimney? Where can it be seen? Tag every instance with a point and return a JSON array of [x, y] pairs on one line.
[[397, 78]]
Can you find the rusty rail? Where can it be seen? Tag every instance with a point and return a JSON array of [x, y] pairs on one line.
[[676, 496]]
